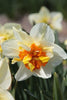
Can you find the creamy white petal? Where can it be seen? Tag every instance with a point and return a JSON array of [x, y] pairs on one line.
[[60, 51], [5, 75], [5, 95], [43, 72], [49, 35], [16, 34], [23, 37], [33, 18], [55, 61], [45, 12], [42, 32], [23, 73], [10, 48], [56, 19]]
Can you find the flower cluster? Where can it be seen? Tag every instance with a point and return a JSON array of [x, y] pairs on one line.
[[37, 53]]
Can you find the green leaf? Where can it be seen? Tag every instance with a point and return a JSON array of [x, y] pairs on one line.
[[57, 92]]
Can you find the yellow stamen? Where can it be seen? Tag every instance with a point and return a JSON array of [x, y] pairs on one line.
[[44, 59], [31, 66], [15, 60], [26, 59]]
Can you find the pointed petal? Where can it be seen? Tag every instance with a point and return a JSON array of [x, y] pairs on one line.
[[42, 32], [5, 75], [60, 51], [23, 73], [22, 36], [10, 48], [5, 95], [43, 73], [44, 11]]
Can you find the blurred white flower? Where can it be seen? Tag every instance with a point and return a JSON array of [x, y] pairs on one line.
[[6, 33], [36, 52], [54, 19]]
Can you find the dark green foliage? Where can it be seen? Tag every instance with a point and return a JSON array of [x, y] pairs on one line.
[[14, 8], [57, 91]]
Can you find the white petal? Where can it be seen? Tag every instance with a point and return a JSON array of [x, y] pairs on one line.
[[5, 75], [43, 73], [44, 11], [22, 36], [5, 95], [55, 61], [16, 34], [49, 36], [56, 19], [60, 51], [23, 73], [10, 48], [42, 32], [33, 18]]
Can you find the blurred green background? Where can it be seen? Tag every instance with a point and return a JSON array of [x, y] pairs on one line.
[[15, 8]]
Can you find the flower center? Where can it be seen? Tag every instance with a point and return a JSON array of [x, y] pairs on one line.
[[35, 58]]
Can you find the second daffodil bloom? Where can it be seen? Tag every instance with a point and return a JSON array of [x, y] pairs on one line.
[[36, 52], [6, 33], [5, 80], [54, 19]]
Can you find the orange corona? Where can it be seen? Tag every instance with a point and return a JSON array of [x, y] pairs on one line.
[[35, 57]]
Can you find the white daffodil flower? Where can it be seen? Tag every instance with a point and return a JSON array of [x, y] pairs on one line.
[[36, 52], [54, 19], [6, 33], [5, 80]]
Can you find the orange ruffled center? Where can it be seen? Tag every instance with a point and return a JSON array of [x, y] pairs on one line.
[[35, 58]]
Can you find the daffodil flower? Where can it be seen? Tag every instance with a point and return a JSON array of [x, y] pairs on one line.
[[6, 33], [5, 80], [36, 53], [54, 19]]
